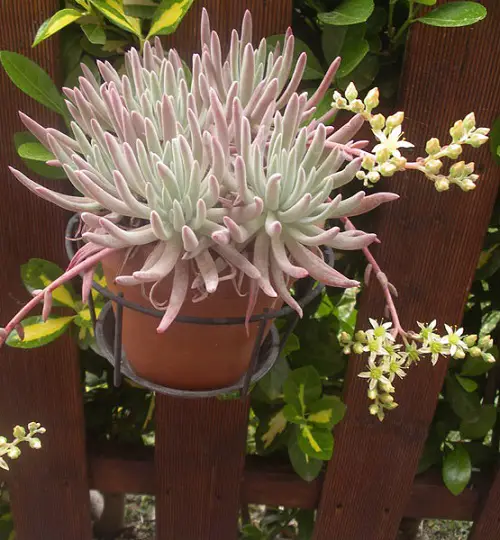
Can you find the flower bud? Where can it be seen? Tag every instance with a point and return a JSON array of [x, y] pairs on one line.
[[383, 155], [14, 452], [35, 443], [373, 177], [470, 121], [387, 169], [387, 387], [357, 348], [386, 398], [457, 170], [457, 131], [459, 353], [19, 432], [368, 163], [361, 175], [469, 168], [391, 406], [372, 394], [340, 103], [432, 147], [346, 350], [357, 106], [345, 337], [485, 343], [377, 122], [360, 335], [433, 166], [400, 162], [467, 185], [351, 93], [488, 357], [482, 131], [442, 184], [477, 140], [475, 351], [395, 120], [374, 408], [372, 99], [470, 340], [3, 441], [32, 426], [453, 151]]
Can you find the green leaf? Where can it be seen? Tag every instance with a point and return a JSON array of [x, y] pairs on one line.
[[293, 415], [475, 366], [332, 39], [323, 107], [467, 384], [349, 12], [306, 467], [114, 11], [355, 48], [457, 470], [95, 33], [305, 521], [489, 322], [495, 140], [464, 404], [302, 387], [37, 274], [35, 151], [313, 70], [38, 333], [57, 22], [168, 16], [46, 171], [272, 383], [426, 2], [478, 426], [327, 411], [363, 74], [277, 424], [315, 442], [32, 80], [455, 14]]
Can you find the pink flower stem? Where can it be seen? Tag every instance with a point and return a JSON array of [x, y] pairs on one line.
[[384, 283], [39, 297]]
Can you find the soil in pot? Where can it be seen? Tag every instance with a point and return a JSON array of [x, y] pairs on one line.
[[186, 356]]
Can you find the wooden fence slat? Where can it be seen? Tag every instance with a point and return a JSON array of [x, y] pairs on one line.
[[199, 458], [49, 487], [487, 519], [430, 248], [200, 445]]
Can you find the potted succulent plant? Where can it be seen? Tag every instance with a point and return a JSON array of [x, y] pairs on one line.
[[209, 193]]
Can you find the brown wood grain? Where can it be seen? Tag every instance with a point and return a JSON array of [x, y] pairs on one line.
[[271, 482], [48, 487], [199, 457], [200, 445], [430, 247], [270, 17], [487, 517]]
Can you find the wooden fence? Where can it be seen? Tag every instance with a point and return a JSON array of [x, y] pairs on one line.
[[198, 471]]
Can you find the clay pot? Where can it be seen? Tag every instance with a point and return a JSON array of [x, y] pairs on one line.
[[186, 356]]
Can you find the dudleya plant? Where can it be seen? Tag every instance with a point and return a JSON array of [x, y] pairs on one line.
[[225, 172]]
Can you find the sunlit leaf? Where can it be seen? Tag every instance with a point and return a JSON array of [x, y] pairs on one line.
[[38, 333], [57, 22]]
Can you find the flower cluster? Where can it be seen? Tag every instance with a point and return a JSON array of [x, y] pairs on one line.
[[388, 360], [12, 450], [386, 159]]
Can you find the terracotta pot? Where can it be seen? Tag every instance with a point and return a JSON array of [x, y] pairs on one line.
[[186, 356]]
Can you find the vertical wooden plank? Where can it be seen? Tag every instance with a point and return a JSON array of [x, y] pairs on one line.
[[200, 445], [430, 247], [487, 519], [199, 458], [49, 487]]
